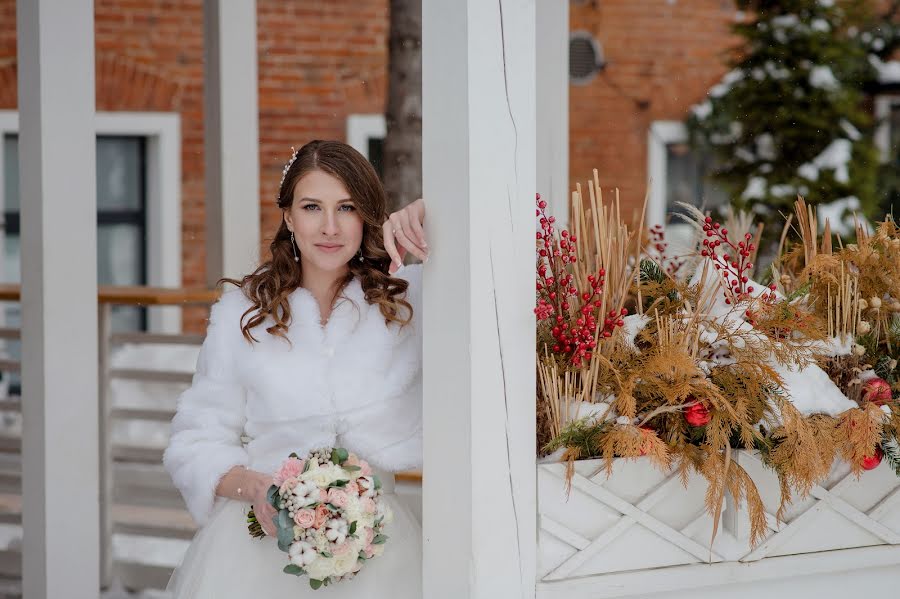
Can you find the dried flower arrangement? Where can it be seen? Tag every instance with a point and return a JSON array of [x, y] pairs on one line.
[[684, 359]]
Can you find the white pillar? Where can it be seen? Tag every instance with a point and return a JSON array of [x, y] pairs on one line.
[[59, 298], [231, 138], [553, 106], [479, 182]]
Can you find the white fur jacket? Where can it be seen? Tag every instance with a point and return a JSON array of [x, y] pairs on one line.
[[354, 383]]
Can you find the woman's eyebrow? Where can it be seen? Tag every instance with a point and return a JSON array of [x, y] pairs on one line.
[[320, 201]]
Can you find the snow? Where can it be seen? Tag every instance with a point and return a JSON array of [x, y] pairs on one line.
[[888, 72], [809, 171], [851, 131], [811, 391], [839, 214], [836, 157], [786, 21], [756, 189], [745, 154], [781, 191], [703, 110], [633, 324], [820, 25], [826, 3], [822, 77], [775, 71], [765, 146], [728, 82]]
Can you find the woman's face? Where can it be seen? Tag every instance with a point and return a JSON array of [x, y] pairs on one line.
[[327, 227]]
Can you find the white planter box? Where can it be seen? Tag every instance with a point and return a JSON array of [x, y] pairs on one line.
[[640, 531]]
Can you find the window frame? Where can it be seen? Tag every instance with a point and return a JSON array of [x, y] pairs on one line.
[[162, 150]]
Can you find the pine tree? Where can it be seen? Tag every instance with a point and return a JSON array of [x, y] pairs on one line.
[[790, 117]]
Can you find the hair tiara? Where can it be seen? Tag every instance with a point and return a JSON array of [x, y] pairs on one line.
[[284, 173]]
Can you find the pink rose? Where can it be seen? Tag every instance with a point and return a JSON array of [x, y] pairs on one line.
[[337, 498], [364, 468], [341, 549], [323, 495], [291, 468], [369, 551], [352, 460], [352, 489], [370, 535], [305, 518], [322, 515], [368, 505]]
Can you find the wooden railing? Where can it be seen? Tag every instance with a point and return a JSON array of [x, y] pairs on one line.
[[137, 497]]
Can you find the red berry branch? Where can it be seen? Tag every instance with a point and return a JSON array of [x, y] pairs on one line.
[[732, 262], [658, 240], [575, 314]]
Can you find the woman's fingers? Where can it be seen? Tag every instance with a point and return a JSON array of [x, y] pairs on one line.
[[405, 236], [416, 219], [391, 247]]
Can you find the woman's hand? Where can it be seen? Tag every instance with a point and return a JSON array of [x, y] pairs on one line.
[[403, 232], [264, 511]]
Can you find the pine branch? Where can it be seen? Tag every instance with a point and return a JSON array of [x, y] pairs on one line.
[[891, 449]]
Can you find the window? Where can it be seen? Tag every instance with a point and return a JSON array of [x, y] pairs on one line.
[[678, 173], [887, 140], [138, 213], [366, 133]]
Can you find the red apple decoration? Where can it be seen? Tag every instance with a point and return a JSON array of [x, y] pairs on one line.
[[870, 462], [697, 414], [877, 390]]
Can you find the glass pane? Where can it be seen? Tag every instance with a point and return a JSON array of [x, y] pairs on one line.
[[11, 173], [120, 255], [376, 154], [120, 168], [11, 261], [687, 177]]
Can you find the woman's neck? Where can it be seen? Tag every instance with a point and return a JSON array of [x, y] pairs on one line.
[[323, 285]]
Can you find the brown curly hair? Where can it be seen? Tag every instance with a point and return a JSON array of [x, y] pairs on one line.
[[269, 286]]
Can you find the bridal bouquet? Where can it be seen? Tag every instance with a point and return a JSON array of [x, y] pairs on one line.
[[330, 515]]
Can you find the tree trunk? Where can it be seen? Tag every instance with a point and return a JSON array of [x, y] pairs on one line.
[[403, 144]]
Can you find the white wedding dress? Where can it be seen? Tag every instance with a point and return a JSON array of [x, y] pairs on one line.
[[354, 383]]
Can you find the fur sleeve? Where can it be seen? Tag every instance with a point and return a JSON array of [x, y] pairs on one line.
[[205, 440]]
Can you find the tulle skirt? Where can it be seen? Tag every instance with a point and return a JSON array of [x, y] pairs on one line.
[[224, 562]]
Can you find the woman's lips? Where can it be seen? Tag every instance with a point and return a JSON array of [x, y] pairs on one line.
[[329, 248]]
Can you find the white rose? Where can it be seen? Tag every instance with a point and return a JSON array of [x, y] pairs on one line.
[[377, 550], [321, 568], [321, 540], [353, 511], [345, 563]]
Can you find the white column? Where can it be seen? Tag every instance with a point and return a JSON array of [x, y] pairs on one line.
[[231, 138], [553, 106], [479, 182], [59, 298]]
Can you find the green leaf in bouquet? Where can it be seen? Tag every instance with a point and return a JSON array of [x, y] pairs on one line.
[[339, 455], [349, 468], [379, 520], [285, 538], [379, 539], [352, 527], [307, 466], [294, 569], [315, 584], [333, 508], [272, 496], [377, 481], [326, 554], [339, 483], [294, 455], [284, 520]]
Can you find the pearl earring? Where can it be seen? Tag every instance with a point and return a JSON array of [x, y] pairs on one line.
[[294, 247], [361, 258]]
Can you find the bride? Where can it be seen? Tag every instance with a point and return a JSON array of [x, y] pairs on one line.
[[319, 347]]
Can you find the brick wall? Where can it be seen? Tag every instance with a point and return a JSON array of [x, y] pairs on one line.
[[320, 61], [663, 56]]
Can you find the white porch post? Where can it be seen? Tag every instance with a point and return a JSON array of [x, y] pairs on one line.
[[231, 138], [553, 106], [479, 180], [59, 298]]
